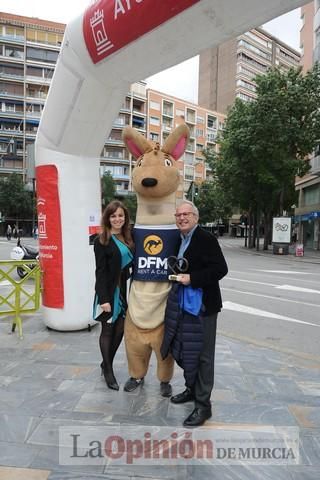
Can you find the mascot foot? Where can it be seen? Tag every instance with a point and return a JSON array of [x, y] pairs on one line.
[[132, 383], [165, 389]]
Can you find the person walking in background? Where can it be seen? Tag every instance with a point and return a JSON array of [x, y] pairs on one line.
[[9, 232], [192, 311], [113, 256]]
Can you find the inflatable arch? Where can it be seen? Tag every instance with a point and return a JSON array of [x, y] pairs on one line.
[[113, 44]]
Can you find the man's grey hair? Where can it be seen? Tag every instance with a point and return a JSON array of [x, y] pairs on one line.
[[194, 208]]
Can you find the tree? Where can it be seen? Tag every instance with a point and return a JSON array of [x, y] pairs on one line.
[[266, 142], [211, 199], [130, 202], [212, 203], [108, 188], [15, 201]]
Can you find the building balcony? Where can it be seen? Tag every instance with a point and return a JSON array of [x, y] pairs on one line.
[[12, 39], [114, 141], [11, 76], [116, 160], [38, 80], [13, 96], [8, 170]]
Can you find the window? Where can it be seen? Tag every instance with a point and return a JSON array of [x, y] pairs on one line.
[[154, 105], [247, 85], [245, 71], [199, 132], [244, 97], [154, 121], [9, 88], [211, 121], [188, 173], [191, 115], [41, 55], [254, 63], [258, 39], [167, 123], [167, 108], [211, 137], [256, 50], [41, 36], [311, 195], [154, 137], [12, 70], [15, 32], [188, 158], [13, 52]]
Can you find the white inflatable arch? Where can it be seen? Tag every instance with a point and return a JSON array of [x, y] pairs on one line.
[[113, 44]]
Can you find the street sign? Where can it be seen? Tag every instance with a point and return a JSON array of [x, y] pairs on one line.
[[281, 231]]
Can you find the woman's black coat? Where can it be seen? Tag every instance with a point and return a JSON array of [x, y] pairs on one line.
[[108, 269]]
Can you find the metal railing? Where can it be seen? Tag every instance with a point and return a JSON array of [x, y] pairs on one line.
[[19, 295]]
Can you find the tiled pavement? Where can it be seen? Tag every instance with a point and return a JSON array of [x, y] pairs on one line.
[[51, 379]]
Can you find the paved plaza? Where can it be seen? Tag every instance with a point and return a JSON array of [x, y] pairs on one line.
[[51, 379]]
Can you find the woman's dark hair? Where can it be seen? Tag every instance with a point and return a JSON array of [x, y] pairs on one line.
[[106, 225]]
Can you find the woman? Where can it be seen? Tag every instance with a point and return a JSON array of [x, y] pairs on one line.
[[113, 255]]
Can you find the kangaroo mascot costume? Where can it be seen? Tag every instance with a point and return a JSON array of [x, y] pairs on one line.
[[155, 179]]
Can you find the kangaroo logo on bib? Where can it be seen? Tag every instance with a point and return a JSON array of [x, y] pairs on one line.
[[153, 245]]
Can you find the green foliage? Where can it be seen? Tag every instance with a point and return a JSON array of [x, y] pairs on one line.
[[108, 188], [212, 203], [265, 142], [130, 202], [15, 200]]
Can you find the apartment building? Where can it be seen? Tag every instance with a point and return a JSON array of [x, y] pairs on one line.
[[307, 212], [164, 113], [228, 70], [114, 156], [29, 48]]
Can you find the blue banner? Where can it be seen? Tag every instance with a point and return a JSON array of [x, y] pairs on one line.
[[152, 248]]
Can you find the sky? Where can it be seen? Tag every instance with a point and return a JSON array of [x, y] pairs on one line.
[[180, 81]]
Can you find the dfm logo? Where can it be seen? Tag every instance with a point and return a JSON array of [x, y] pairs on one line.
[[153, 245]]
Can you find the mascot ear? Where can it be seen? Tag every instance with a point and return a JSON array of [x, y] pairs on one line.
[[136, 143], [177, 141]]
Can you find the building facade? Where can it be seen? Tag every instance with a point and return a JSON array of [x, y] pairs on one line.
[[29, 49], [115, 158], [164, 113], [307, 213], [227, 72]]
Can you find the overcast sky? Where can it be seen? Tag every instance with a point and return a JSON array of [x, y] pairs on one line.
[[180, 81]]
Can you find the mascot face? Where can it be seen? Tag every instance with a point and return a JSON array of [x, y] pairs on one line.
[[156, 173]]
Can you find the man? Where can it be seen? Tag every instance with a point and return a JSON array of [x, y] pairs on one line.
[[206, 266]]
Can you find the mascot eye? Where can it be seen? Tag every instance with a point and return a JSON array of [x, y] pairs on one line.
[[139, 163], [168, 163]]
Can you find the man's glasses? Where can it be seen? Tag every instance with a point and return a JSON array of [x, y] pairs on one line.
[[183, 214]]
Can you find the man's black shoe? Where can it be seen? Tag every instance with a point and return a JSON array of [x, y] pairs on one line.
[[165, 389], [197, 417], [132, 383], [186, 396]]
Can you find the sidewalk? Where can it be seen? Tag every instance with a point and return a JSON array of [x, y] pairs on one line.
[[310, 255], [51, 379]]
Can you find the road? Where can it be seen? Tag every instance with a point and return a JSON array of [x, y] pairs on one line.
[[270, 299]]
